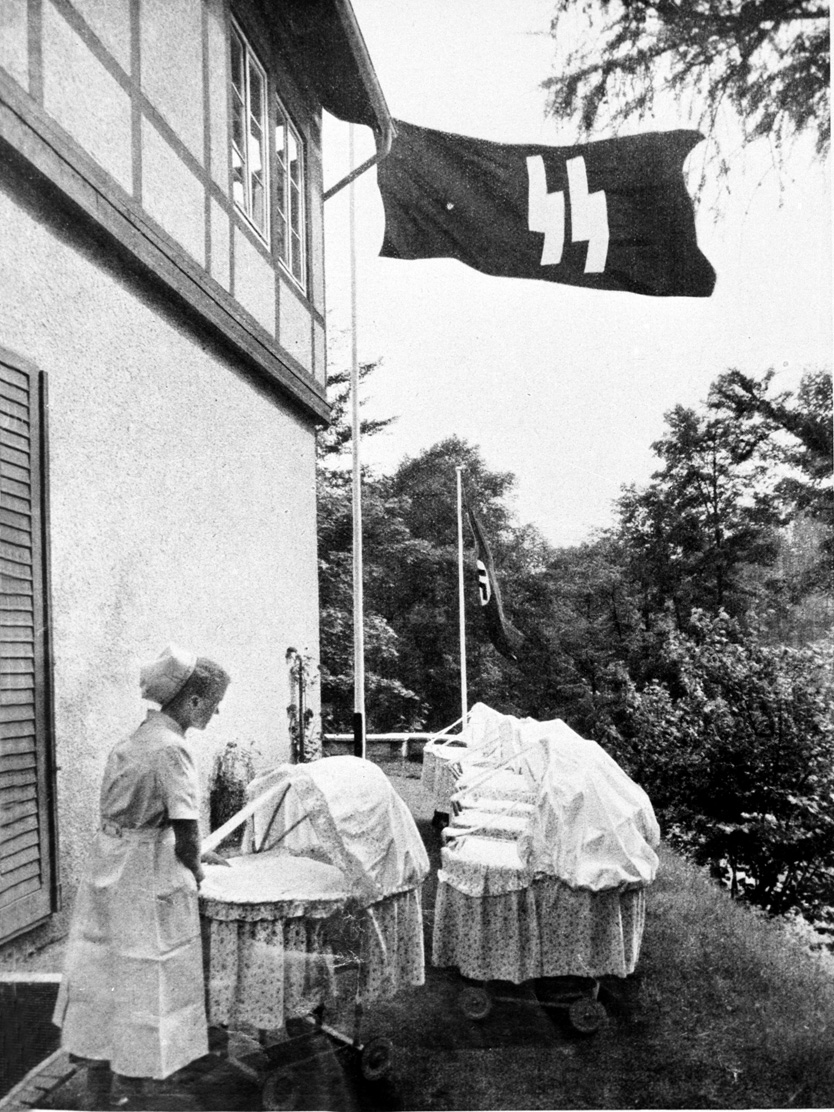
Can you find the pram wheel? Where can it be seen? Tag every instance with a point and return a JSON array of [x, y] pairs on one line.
[[280, 1091], [474, 1002], [586, 1015], [376, 1058]]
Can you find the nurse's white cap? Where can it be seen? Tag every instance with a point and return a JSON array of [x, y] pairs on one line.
[[161, 679]]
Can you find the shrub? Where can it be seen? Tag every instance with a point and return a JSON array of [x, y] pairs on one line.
[[740, 761]]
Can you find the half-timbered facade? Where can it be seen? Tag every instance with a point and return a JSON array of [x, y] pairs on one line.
[[162, 373]]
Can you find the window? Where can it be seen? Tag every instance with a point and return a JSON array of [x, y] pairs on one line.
[[250, 181], [289, 200], [27, 849]]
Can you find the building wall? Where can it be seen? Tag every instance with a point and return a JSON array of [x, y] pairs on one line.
[[140, 93], [182, 506]]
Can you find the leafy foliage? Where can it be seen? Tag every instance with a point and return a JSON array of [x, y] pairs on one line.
[[801, 431], [657, 637], [706, 516], [768, 60], [741, 762]]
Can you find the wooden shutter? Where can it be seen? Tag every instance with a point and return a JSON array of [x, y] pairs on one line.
[[26, 766]]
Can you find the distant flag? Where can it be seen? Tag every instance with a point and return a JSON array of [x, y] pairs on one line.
[[611, 215], [504, 636]]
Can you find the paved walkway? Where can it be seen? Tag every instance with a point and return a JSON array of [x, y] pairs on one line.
[[39, 1084]]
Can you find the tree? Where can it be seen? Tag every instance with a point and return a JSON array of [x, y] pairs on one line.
[[740, 764], [692, 536], [799, 426], [768, 60], [424, 607], [389, 703], [590, 619], [805, 418]]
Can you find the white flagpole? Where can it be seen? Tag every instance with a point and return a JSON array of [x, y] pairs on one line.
[[359, 743], [464, 700]]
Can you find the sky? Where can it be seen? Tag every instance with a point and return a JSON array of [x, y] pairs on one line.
[[565, 387]]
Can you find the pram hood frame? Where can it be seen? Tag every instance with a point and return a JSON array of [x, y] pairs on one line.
[[591, 826], [343, 810]]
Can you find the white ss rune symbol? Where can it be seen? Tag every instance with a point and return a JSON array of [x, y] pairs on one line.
[[484, 590], [546, 213]]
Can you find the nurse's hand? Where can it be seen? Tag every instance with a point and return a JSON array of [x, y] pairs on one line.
[[212, 858]]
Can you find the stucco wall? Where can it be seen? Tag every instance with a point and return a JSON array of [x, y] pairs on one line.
[[182, 507]]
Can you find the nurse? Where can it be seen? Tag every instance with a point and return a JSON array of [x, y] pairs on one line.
[[131, 999]]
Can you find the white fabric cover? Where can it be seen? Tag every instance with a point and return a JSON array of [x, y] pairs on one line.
[[480, 820], [286, 885], [483, 782], [593, 827], [348, 814], [491, 746], [479, 865], [437, 775]]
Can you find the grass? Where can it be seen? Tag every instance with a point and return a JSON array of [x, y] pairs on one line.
[[739, 1010], [733, 1011]]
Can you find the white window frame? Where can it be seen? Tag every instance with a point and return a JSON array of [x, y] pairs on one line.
[[245, 204], [290, 198]]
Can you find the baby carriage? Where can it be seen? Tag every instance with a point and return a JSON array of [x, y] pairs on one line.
[[544, 872], [451, 761], [318, 916]]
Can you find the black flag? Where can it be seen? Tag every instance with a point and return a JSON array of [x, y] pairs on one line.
[[504, 636], [610, 215]]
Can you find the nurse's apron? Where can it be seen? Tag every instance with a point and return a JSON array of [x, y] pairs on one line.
[[132, 991]]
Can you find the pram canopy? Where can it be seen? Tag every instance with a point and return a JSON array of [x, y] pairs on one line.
[[549, 852], [343, 811], [591, 826], [328, 880]]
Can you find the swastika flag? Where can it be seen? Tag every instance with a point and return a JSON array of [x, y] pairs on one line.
[[502, 633], [611, 215]]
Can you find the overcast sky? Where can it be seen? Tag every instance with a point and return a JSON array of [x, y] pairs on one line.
[[565, 387]]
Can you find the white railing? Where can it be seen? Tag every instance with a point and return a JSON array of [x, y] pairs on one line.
[[404, 739]]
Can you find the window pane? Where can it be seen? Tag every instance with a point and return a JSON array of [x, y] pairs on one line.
[[256, 98], [281, 238], [250, 190], [237, 125], [258, 201], [295, 209], [237, 65], [289, 196], [297, 259], [256, 164], [238, 180]]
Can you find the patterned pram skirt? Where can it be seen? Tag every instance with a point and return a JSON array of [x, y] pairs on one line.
[[272, 961], [493, 922]]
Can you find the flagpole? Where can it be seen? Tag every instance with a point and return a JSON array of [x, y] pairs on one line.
[[359, 746], [464, 701]]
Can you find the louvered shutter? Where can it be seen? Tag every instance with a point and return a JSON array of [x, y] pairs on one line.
[[26, 827]]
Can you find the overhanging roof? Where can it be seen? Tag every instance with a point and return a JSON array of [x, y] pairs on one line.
[[335, 61]]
